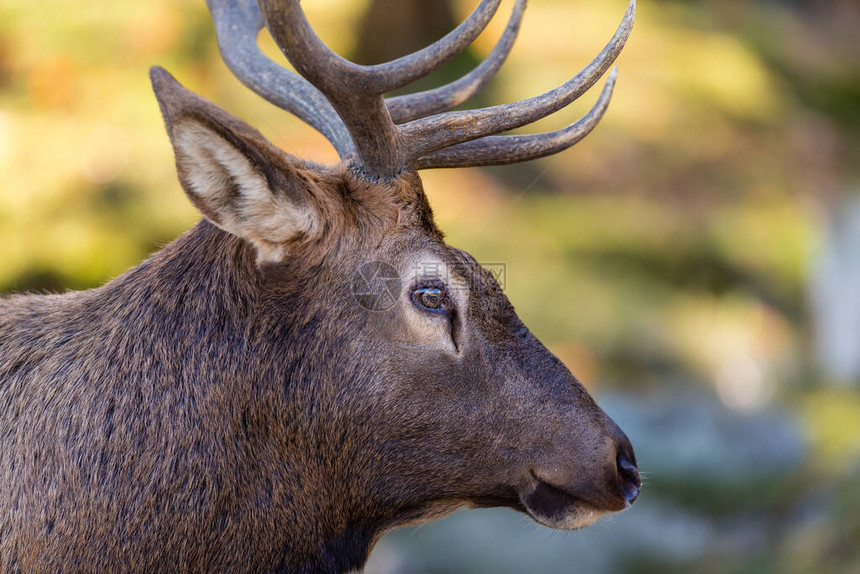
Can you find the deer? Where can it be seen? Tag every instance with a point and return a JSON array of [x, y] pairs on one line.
[[232, 405]]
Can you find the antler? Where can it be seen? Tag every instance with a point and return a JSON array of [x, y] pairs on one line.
[[237, 24], [382, 138]]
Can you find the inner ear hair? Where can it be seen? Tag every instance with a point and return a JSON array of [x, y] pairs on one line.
[[233, 180], [236, 178]]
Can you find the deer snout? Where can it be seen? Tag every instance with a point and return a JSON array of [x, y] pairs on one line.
[[626, 471], [629, 480], [599, 476]]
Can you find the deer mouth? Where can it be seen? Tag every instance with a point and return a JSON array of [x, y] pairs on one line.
[[556, 507]]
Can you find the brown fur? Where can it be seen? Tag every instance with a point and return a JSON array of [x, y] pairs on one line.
[[212, 411]]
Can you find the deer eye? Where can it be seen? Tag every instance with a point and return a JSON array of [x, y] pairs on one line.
[[433, 299]]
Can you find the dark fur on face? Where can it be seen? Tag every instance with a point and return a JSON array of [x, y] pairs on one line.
[[228, 405]]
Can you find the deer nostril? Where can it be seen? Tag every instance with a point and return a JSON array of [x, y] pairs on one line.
[[628, 478]]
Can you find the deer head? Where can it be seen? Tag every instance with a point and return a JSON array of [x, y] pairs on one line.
[[436, 396]]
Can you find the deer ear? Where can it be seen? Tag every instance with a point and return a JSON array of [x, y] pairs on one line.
[[237, 179]]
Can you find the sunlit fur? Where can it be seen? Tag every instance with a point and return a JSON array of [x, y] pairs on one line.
[[227, 406]]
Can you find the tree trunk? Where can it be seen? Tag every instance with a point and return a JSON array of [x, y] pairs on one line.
[[393, 28]]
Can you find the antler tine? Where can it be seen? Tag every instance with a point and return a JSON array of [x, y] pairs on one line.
[[289, 26], [413, 106], [501, 150], [445, 130], [356, 91], [237, 25]]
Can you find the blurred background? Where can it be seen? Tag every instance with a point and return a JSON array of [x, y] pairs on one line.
[[695, 261]]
